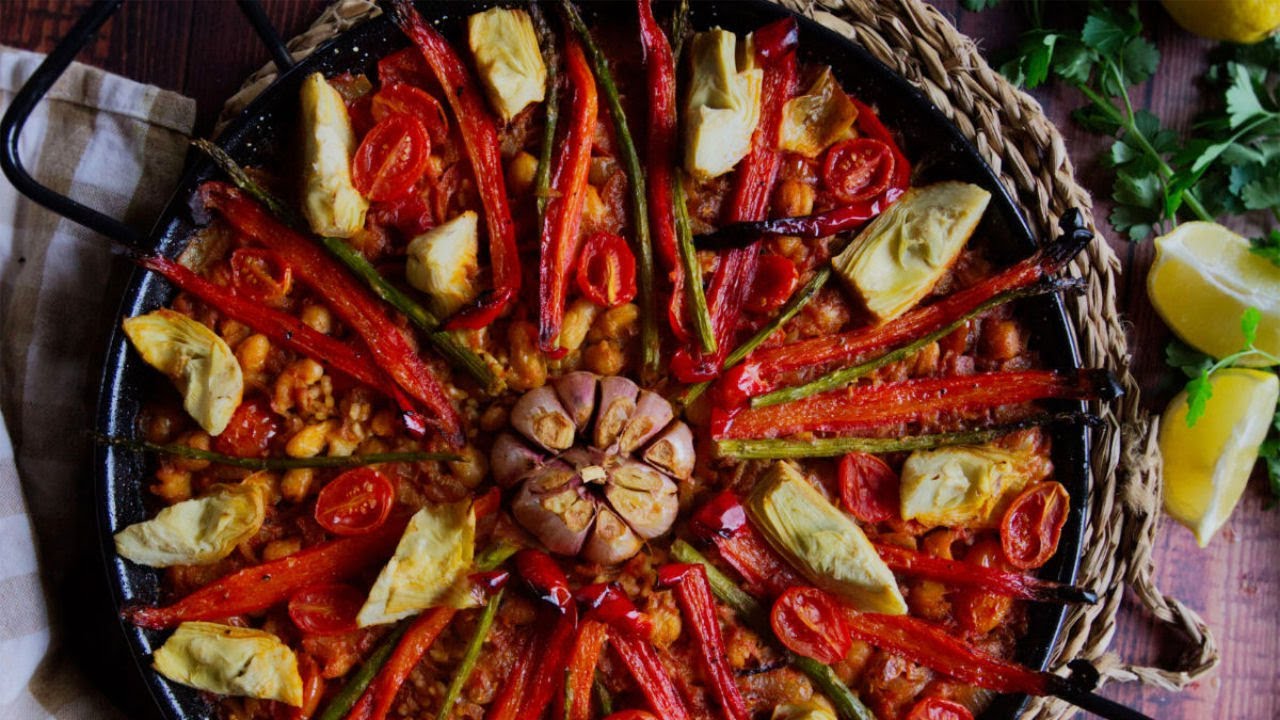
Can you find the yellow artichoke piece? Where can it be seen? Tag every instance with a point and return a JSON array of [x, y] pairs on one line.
[[961, 486], [507, 59], [723, 105], [231, 661], [429, 567], [332, 205], [195, 532], [200, 364], [442, 262], [823, 543], [816, 120], [903, 253]]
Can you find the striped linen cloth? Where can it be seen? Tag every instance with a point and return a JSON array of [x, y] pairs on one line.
[[117, 146]]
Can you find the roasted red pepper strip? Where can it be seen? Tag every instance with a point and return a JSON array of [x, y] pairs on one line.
[[545, 577], [583, 658], [548, 676], [563, 217], [347, 297], [507, 705], [262, 586], [607, 603], [724, 522], [480, 139], [693, 591], [376, 701], [880, 406], [646, 669], [660, 72], [734, 276], [985, 579], [767, 370]]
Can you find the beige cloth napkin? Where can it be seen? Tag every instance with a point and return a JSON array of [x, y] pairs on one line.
[[117, 146]]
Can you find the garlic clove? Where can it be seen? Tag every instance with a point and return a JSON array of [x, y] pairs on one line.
[[617, 403], [653, 412], [553, 506], [539, 416], [577, 392], [612, 541], [510, 459], [673, 451], [644, 497]]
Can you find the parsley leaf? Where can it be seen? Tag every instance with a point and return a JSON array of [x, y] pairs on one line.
[[1262, 194], [1192, 362], [978, 5], [1268, 246], [1249, 325], [1199, 391]]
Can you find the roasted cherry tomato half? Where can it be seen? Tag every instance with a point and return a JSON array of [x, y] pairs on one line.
[[809, 623], [312, 691], [391, 158], [328, 609], [776, 280], [607, 270], [258, 274], [408, 100], [977, 611], [857, 170], [411, 214], [869, 488], [1032, 525], [935, 708], [356, 502], [405, 66], [250, 431]]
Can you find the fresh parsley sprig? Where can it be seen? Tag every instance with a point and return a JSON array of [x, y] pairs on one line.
[[1199, 367]]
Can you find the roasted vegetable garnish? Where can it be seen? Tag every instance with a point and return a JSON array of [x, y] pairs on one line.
[[963, 486], [723, 104], [508, 62], [231, 661], [331, 203], [428, 567], [195, 532], [198, 362], [442, 263], [815, 119]]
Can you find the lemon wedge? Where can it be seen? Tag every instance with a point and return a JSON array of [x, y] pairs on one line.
[[1206, 466], [1203, 279], [1237, 21]]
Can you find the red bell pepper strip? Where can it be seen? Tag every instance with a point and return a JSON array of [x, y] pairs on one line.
[[693, 592], [548, 677], [607, 603], [660, 73], [734, 276], [507, 704], [985, 579], [769, 369], [545, 577], [563, 217], [646, 669], [480, 139], [724, 522], [885, 406], [375, 702], [259, 587], [348, 299], [580, 675]]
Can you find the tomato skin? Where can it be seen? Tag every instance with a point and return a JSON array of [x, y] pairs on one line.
[[808, 623], [252, 427], [326, 609], [391, 158], [776, 280], [1032, 526], [607, 270], [260, 275], [356, 502], [405, 66], [936, 708], [977, 611], [858, 170], [869, 488], [409, 100]]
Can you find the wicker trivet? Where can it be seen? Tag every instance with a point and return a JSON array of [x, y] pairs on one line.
[[1027, 153]]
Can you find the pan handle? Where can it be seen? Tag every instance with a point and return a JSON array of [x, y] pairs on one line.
[[56, 63]]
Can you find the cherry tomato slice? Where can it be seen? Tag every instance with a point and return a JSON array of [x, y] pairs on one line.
[[869, 488], [258, 274], [356, 502], [607, 270], [776, 279], [391, 158], [408, 100], [328, 609], [935, 708], [405, 66], [1032, 525], [977, 611], [810, 624], [858, 170], [250, 431]]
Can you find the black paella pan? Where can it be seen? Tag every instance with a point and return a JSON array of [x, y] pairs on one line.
[[935, 147]]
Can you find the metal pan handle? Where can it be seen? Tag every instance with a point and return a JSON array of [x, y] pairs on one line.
[[25, 101]]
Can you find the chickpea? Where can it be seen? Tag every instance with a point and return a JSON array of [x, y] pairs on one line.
[[198, 440], [252, 354], [493, 418], [925, 361], [528, 367], [277, 549], [603, 358], [296, 484], [520, 173], [615, 324], [471, 469], [577, 323], [1000, 340], [172, 484], [595, 213], [793, 197], [310, 441], [384, 423], [318, 318]]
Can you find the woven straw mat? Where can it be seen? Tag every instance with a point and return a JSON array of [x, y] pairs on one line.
[[1027, 153]]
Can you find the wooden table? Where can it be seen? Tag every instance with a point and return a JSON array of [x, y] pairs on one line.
[[205, 50]]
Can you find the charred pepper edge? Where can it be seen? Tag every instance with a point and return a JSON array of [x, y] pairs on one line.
[[649, 341], [274, 463]]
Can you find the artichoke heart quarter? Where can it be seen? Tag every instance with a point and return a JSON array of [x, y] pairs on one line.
[[895, 262], [509, 63], [723, 105], [442, 262], [331, 203], [961, 486], [195, 532], [814, 121], [231, 661], [428, 568], [198, 362], [823, 543]]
